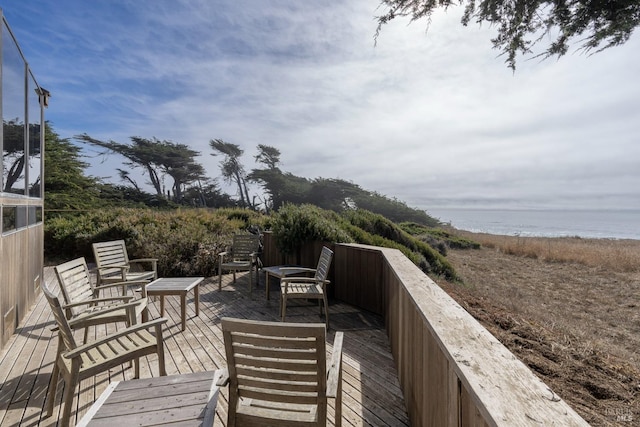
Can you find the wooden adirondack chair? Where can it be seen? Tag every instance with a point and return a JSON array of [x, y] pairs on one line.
[[315, 287], [277, 374], [82, 298], [76, 362], [243, 256], [114, 265]]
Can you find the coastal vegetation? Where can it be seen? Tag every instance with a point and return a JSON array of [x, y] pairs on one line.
[[186, 227], [187, 241], [614, 254]]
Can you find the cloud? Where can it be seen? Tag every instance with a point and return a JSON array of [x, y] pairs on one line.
[[426, 116]]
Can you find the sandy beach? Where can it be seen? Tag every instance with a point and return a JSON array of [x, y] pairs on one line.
[[572, 317]]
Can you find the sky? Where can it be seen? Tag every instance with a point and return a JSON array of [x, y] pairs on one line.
[[429, 113]]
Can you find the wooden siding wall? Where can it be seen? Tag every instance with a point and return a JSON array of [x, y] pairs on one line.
[[21, 266], [453, 372]]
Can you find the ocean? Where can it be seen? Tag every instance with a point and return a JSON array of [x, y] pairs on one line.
[[616, 224]]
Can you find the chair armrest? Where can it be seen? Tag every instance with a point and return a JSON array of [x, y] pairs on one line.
[[156, 323], [130, 307], [96, 300], [121, 267], [102, 270], [143, 260], [223, 379], [123, 283], [152, 261], [334, 374], [300, 269], [298, 279], [142, 283]]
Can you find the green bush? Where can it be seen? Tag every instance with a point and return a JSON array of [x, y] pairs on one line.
[[438, 237], [185, 241], [293, 225], [420, 252]]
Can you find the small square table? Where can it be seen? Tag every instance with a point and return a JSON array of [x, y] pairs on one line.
[[187, 399], [176, 286], [281, 271]]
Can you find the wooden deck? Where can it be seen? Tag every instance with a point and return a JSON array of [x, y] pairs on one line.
[[371, 392]]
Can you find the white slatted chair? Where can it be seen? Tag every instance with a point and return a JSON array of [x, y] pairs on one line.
[[82, 298], [242, 256], [76, 362], [114, 265], [277, 374], [315, 287]]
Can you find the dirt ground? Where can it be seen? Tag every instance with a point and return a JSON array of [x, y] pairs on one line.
[[576, 327]]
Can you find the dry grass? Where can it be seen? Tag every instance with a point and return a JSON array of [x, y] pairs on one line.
[[568, 308], [613, 254]]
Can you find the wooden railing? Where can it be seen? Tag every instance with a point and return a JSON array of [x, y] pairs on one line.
[[452, 371]]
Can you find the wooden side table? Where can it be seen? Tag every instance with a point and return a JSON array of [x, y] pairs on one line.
[[176, 286]]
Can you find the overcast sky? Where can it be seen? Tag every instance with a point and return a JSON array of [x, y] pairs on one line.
[[434, 118]]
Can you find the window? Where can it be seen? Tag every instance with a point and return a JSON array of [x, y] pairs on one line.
[[17, 217], [8, 218], [35, 214], [13, 112]]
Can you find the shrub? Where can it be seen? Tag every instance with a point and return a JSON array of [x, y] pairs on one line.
[[185, 241], [188, 241], [422, 254], [438, 237], [293, 225]]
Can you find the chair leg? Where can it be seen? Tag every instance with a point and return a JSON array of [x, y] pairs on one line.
[[136, 363], [69, 391], [161, 367], [251, 281], [326, 309], [53, 387], [220, 278]]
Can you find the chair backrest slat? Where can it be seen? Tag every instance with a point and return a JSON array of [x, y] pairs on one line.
[[252, 371]]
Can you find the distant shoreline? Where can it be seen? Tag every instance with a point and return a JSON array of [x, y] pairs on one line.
[[620, 224]]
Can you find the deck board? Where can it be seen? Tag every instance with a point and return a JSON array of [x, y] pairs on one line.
[[372, 395]]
